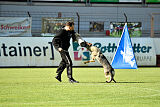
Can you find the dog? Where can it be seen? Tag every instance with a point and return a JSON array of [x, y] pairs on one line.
[[97, 55]]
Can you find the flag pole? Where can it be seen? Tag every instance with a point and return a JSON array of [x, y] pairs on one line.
[[125, 17]]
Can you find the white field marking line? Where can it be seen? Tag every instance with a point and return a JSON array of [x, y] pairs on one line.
[[158, 94], [60, 101]]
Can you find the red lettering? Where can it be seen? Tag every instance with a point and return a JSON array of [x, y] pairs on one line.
[[6, 27], [1, 27]]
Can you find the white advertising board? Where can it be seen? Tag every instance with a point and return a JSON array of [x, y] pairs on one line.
[[15, 26], [130, 0], [38, 51]]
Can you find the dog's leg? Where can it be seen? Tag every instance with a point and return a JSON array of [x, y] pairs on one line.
[[89, 61]]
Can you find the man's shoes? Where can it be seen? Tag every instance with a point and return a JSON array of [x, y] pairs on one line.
[[58, 78], [73, 81]]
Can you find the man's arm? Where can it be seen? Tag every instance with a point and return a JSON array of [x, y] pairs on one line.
[[80, 41], [57, 44]]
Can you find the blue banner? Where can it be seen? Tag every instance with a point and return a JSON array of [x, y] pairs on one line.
[[124, 57]]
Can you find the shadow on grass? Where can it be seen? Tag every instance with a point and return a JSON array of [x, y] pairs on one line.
[[131, 82], [124, 82]]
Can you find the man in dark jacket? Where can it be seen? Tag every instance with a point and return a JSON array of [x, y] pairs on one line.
[[61, 42]]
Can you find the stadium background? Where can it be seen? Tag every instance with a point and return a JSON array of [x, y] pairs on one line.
[[146, 12]]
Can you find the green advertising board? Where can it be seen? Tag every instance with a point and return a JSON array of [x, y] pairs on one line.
[[104, 0], [134, 28], [152, 1], [96, 1]]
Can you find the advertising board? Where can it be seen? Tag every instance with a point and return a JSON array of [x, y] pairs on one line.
[[39, 51], [15, 26]]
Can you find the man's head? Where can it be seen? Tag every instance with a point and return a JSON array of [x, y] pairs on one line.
[[70, 25]]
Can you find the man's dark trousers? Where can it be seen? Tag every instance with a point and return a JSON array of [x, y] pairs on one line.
[[65, 63]]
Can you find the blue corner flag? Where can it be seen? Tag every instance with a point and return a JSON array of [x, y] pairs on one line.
[[124, 57]]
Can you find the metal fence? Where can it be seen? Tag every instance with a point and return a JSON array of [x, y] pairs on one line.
[[83, 21]]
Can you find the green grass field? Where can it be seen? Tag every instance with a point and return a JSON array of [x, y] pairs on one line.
[[35, 87]]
